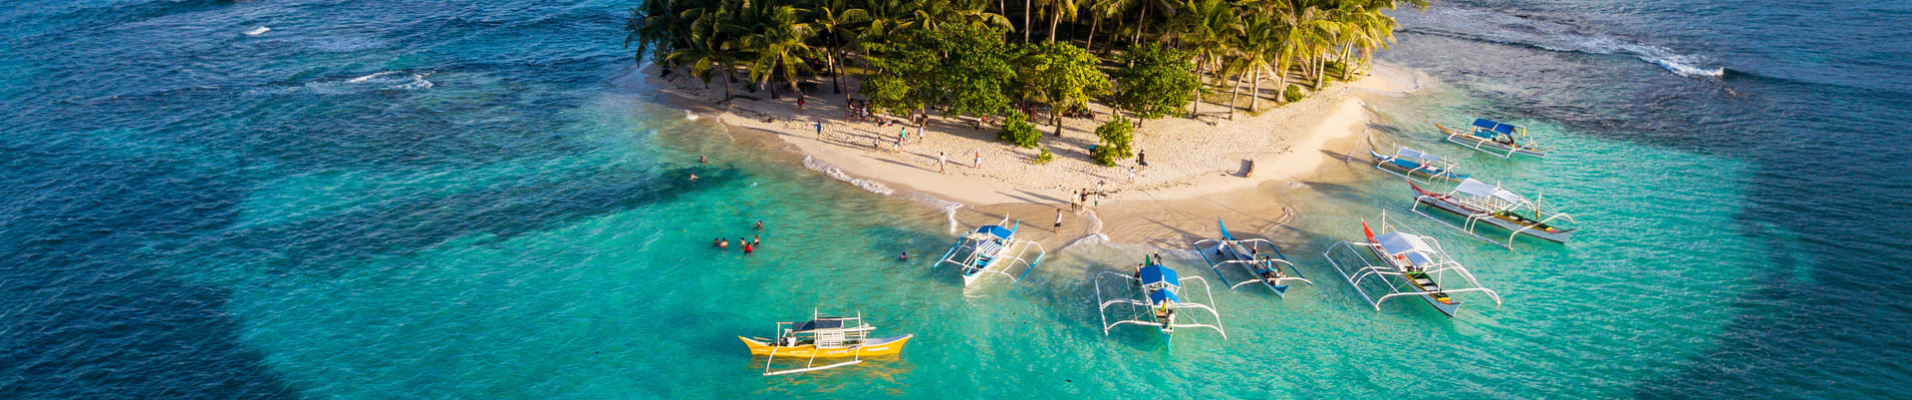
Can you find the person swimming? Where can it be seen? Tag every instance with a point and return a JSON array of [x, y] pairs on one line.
[[754, 241], [748, 248], [693, 177], [722, 243], [760, 225], [904, 257]]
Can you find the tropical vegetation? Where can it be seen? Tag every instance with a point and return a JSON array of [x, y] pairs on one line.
[[981, 59]]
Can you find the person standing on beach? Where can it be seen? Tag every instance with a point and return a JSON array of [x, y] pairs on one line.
[[819, 130], [1058, 228], [979, 159], [1131, 174], [902, 135], [1142, 157], [799, 103], [942, 163]]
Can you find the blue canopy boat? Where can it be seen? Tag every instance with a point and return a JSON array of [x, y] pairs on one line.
[[1259, 258], [992, 249], [1409, 265], [1415, 164], [1488, 136], [1157, 292]]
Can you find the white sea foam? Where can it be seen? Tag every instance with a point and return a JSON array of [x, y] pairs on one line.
[[1513, 29], [257, 31], [690, 115], [818, 165], [382, 81]]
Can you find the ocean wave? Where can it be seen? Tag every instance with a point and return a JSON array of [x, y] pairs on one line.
[[818, 165], [380, 82], [1513, 29]]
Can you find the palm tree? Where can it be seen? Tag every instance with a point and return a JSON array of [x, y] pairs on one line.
[[1058, 10], [706, 47], [1207, 30], [778, 41], [830, 19], [1260, 43]]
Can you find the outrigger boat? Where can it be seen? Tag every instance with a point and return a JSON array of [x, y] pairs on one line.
[[823, 337], [1415, 164], [992, 249], [1480, 202], [1410, 265], [1158, 293], [1495, 138], [1258, 257]]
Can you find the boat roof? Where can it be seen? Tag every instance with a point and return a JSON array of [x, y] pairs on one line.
[[1408, 246], [1157, 273], [825, 323], [1163, 295], [996, 230], [1480, 189], [1413, 154], [1487, 124]]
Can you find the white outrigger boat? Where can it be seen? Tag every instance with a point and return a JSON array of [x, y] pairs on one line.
[[1158, 293], [1481, 203], [1258, 257], [992, 249], [823, 337], [1488, 136], [1410, 265], [1415, 164]]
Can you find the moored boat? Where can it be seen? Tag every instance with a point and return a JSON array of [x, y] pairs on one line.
[[823, 337], [1480, 203], [1259, 258], [1410, 265], [1158, 295], [1499, 139], [1415, 164], [992, 249]]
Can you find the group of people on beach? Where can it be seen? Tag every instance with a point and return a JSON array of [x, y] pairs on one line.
[[750, 246], [1079, 200]]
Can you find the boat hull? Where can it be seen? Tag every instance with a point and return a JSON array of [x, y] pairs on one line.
[[1489, 146], [1556, 236], [1447, 308], [875, 347], [1411, 169]]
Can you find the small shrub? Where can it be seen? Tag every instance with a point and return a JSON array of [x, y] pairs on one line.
[[1044, 157], [1293, 94], [1017, 129], [1116, 137], [1337, 68]]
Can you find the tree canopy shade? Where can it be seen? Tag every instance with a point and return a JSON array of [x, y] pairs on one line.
[[1116, 135], [977, 74], [1060, 75], [906, 68], [1156, 81]]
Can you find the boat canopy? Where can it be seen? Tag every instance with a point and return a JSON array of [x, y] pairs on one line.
[[996, 230], [820, 324], [1412, 154], [1159, 274], [1484, 123], [1480, 189], [1159, 296], [1410, 247]]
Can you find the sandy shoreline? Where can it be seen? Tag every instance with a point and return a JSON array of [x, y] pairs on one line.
[[1195, 174]]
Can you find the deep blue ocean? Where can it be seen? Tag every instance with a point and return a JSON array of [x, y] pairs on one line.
[[453, 199]]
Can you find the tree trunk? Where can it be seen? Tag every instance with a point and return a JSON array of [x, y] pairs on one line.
[[727, 83], [1139, 23], [1092, 26], [1025, 20], [1055, 117], [1281, 85], [836, 82], [1235, 95], [1055, 16], [1254, 103], [1195, 107]]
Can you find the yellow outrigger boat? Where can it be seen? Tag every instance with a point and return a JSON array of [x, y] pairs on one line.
[[823, 337]]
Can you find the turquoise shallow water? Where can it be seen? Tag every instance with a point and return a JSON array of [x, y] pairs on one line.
[[450, 200]]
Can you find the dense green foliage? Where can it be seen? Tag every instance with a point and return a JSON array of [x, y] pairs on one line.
[[1116, 137], [1060, 75], [1045, 156], [1017, 129], [1293, 94], [955, 55], [1156, 81]]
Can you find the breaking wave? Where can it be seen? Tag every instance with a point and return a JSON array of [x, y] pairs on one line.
[[379, 82], [818, 165], [1513, 29]]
